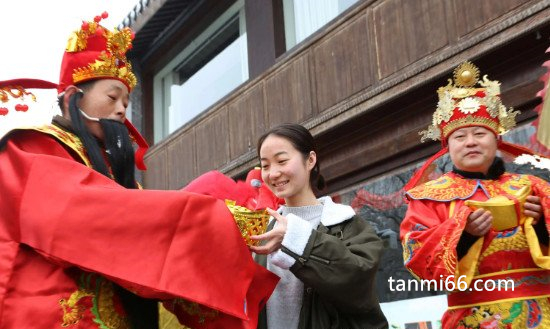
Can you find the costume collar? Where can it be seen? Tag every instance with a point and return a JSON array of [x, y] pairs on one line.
[[495, 171]]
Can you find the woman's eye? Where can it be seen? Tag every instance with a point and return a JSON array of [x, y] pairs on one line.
[[112, 97]]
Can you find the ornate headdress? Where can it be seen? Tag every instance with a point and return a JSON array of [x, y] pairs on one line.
[[94, 52], [463, 104]]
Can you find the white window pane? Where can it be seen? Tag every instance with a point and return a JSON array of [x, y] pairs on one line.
[[310, 15], [213, 81], [304, 17]]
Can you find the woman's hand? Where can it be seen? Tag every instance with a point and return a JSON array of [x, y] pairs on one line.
[[532, 208], [273, 238], [479, 222]]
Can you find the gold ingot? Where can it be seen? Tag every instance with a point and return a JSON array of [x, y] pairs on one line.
[[249, 222], [504, 211]]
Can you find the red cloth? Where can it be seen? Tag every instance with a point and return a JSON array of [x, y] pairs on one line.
[[252, 195], [58, 217]]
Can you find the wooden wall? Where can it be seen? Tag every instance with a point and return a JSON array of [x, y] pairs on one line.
[[365, 85]]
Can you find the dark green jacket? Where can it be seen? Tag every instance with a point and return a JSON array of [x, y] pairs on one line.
[[338, 269]]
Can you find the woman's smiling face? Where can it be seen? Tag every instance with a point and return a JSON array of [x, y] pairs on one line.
[[285, 170]]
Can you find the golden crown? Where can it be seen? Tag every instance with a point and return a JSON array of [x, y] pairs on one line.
[[461, 104], [112, 47]]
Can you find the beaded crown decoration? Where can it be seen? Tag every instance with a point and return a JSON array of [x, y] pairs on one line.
[[468, 101], [94, 52]]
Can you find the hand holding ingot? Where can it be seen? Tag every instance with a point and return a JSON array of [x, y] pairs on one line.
[[273, 238], [508, 212], [532, 208], [250, 222]]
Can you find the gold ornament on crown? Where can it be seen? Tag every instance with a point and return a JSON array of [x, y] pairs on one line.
[[112, 62], [460, 93]]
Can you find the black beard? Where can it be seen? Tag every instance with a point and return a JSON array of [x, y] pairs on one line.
[[120, 152], [118, 146]]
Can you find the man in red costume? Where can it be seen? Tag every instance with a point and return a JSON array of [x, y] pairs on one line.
[[81, 246], [478, 225]]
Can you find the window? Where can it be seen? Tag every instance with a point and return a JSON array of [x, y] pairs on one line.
[[303, 17], [213, 64]]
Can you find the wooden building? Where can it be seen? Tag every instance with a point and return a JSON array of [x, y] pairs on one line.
[[362, 75]]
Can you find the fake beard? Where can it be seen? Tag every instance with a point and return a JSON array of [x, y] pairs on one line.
[[118, 146]]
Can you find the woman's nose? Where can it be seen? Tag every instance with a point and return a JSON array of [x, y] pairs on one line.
[[274, 172]]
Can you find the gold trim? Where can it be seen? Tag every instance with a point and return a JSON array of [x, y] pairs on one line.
[[521, 270], [66, 138], [469, 121], [515, 299]]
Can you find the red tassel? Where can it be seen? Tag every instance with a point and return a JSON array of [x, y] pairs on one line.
[[140, 141], [420, 173], [514, 149]]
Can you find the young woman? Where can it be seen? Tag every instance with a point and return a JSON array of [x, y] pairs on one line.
[[326, 256]]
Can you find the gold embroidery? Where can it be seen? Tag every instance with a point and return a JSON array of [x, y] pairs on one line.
[[447, 251], [100, 294], [445, 188], [514, 314], [72, 310], [196, 310], [514, 242], [68, 139], [106, 312]]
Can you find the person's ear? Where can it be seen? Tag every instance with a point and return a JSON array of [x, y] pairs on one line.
[[69, 91], [311, 160]]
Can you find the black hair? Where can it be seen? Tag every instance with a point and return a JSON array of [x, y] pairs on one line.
[[303, 141], [84, 86]]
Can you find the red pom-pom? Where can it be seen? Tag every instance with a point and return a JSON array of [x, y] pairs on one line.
[[97, 19], [133, 35], [99, 31], [21, 108], [104, 15], [3, 111], [85, 25]]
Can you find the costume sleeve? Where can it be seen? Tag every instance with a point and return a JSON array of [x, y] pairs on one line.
[[341, 265], [541, 257], [158, 244], [430, 236]]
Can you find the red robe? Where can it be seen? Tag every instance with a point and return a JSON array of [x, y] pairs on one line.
[[431, 231], [68, 232]]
